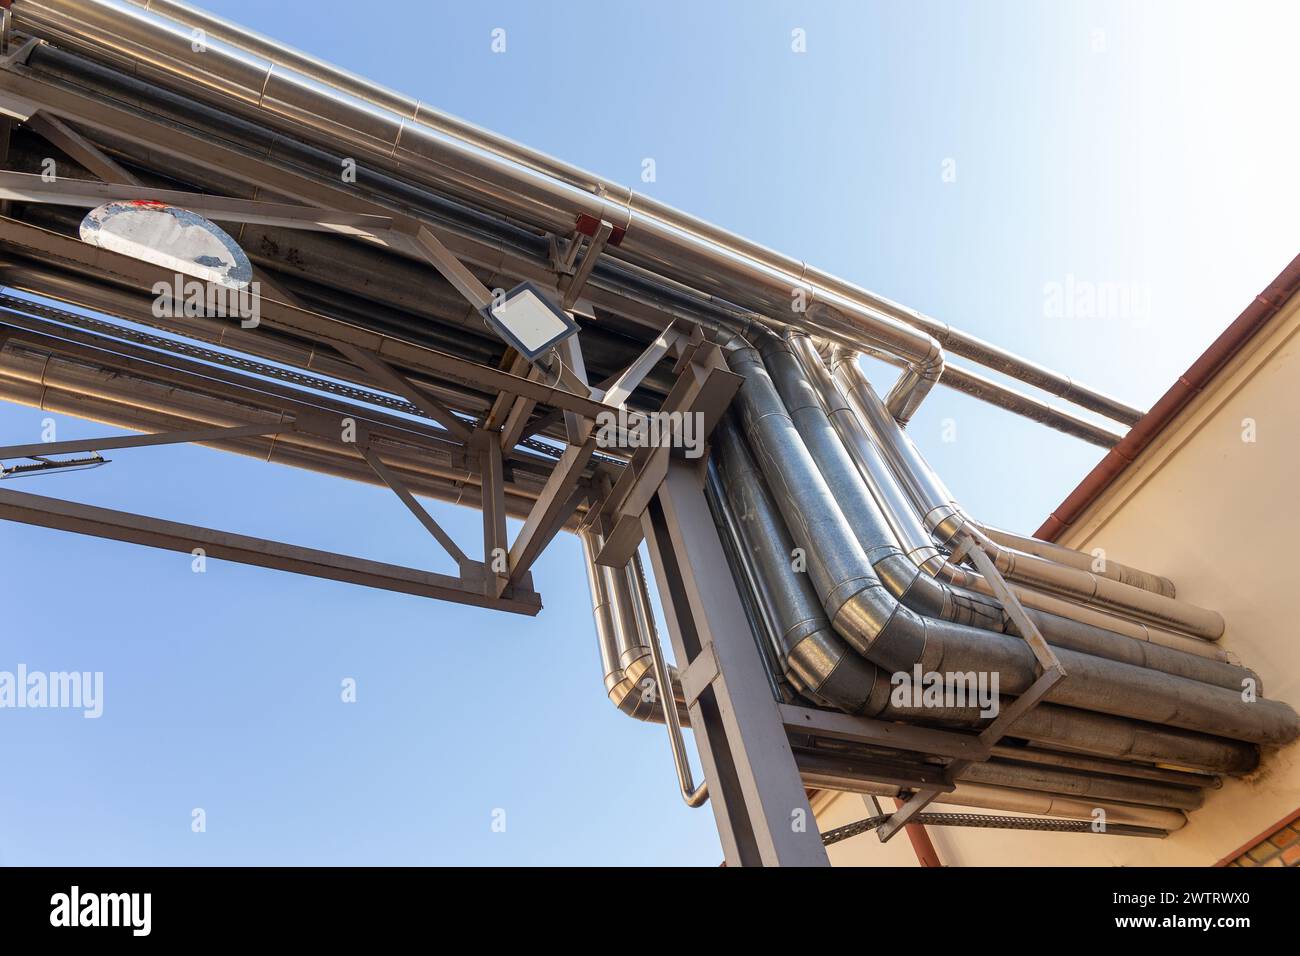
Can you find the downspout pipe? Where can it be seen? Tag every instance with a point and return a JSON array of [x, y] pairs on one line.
[[891, 635], [818, 660], [946, 520]]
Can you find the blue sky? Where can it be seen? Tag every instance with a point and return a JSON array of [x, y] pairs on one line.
[[1142, 148]]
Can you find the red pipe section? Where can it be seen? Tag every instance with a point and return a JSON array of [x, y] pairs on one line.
[[921, 845]]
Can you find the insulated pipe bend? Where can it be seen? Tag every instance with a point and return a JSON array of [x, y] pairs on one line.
[[814, 656], [946, 520], [900, 575], [882, 516], [818, 661], [894, 637]]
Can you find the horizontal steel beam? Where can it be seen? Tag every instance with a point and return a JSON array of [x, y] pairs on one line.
[[173, 536], [879, 733]]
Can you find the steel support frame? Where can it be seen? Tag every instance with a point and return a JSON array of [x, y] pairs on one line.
[[1051, 672], [99, 522], [470, 587], [30, 187], [754, 787]]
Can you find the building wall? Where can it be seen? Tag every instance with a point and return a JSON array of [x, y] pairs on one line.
[[1218, 514]]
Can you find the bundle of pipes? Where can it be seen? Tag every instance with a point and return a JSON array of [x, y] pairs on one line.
[[116, 384], [1151, 710], [285, 98], [805, 469], [814, 473]]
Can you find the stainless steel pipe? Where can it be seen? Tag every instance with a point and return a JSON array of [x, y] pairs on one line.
[[866, 492], [622, 622], [946, 520], [177, 44], [888, 633], [819, 661]]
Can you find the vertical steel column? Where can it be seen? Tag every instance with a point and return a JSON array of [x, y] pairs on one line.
[[755, 790]]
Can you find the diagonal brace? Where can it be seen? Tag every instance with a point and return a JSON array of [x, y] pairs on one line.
[[391, 379], [548, 513], [398, 488]]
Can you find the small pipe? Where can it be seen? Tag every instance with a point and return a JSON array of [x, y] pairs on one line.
[[836, 773], [695, 796], [919, 837]]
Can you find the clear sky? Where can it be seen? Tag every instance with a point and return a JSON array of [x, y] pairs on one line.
[[967, 159]]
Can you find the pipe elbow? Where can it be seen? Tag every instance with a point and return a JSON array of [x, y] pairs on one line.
[[740, 335], [636, 694], [829, 670], [930, 597], [877, 626]]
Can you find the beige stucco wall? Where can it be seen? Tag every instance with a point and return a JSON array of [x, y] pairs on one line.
[[1219, 516]]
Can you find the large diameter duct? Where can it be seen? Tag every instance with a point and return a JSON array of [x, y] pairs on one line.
[[901, 576], [788, 683], [810, 396], [813, 654], [890, 634], [946, 521], [900, 511], [267, 80], [820, 662]]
